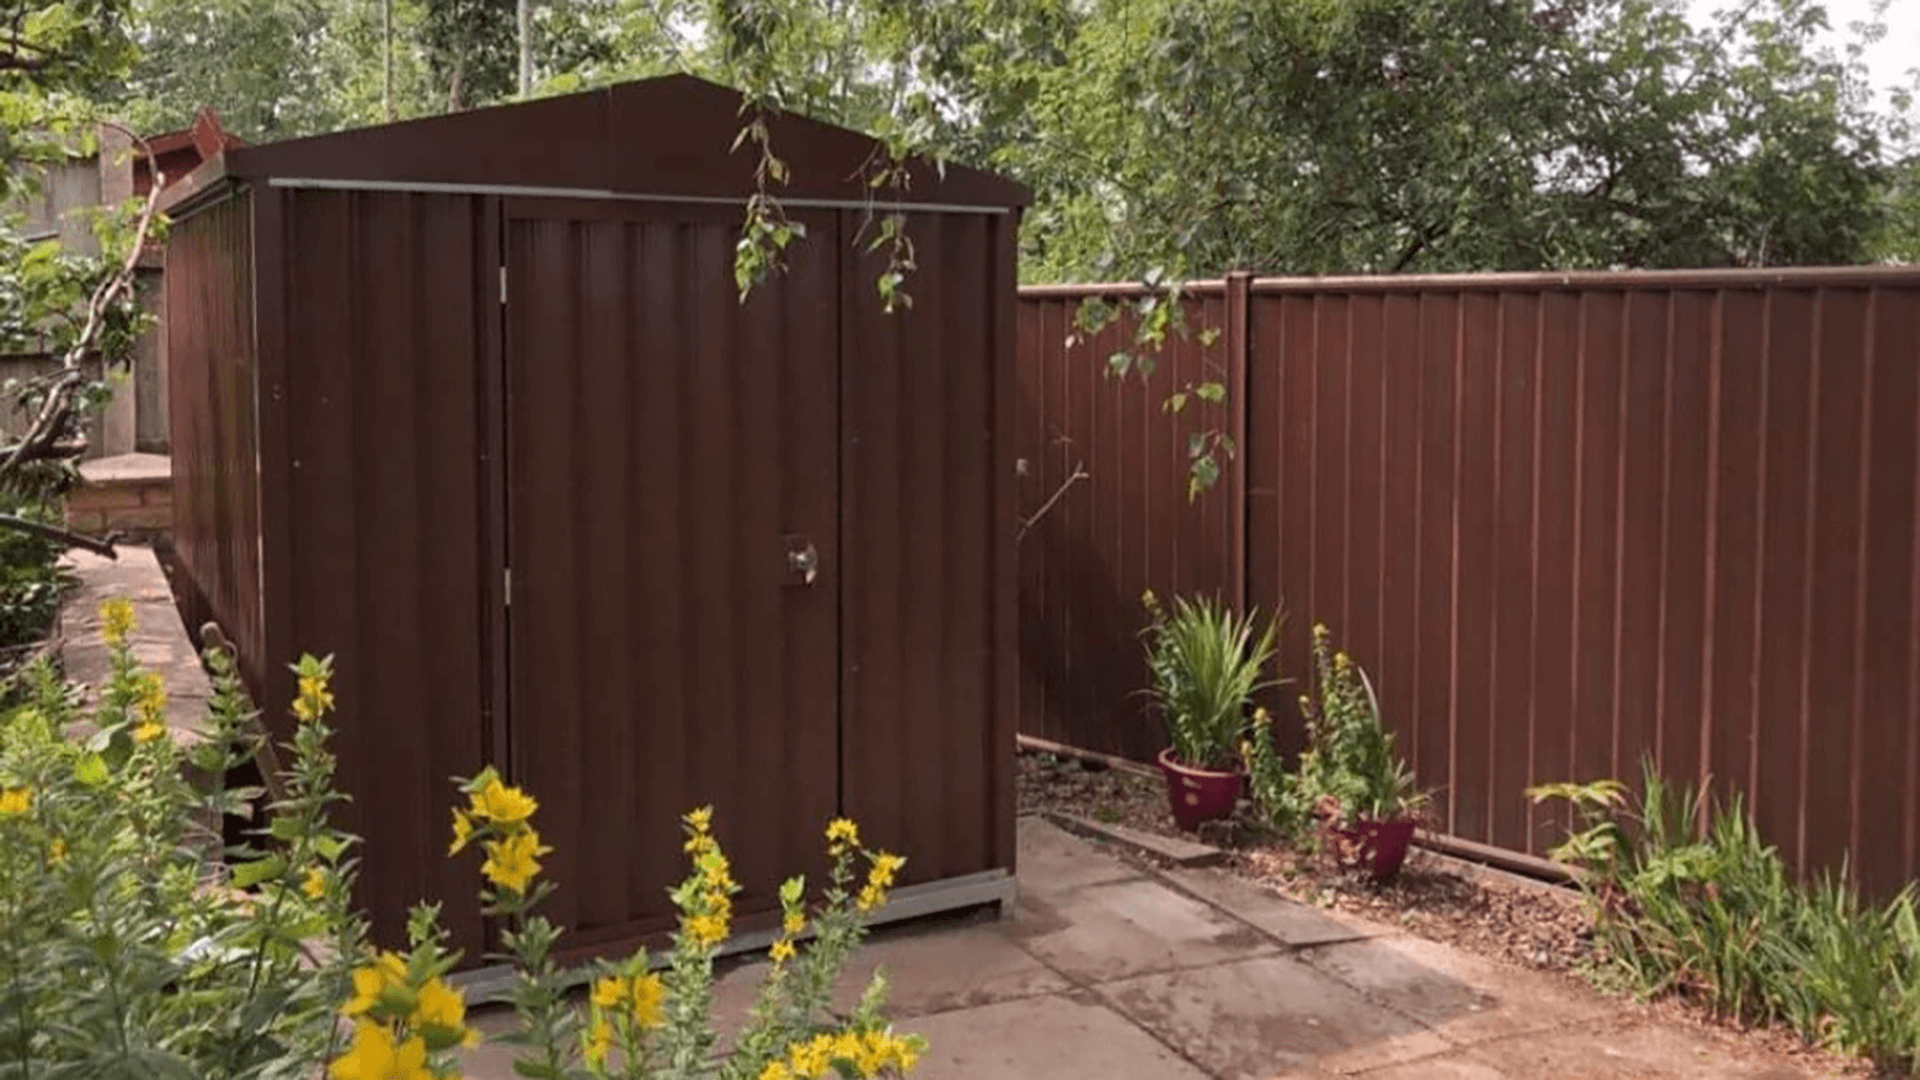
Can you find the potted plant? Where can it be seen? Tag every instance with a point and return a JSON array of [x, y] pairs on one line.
[[1207, 662], [1363, 795]]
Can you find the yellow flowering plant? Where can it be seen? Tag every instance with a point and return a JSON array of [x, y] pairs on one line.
[[128, 946], [652, 1017]]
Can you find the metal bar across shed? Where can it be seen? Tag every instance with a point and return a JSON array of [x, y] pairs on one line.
[[431, 188]]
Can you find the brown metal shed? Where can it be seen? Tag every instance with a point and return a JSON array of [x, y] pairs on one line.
[[471, 404]]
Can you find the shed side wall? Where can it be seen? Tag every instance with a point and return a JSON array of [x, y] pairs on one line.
[[387, 301], [211, 379]]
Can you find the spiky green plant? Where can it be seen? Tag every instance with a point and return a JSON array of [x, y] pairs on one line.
[[1709, 911], [1207, 662]]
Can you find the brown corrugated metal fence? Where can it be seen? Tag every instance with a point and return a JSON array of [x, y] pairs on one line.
[[1566, 521]]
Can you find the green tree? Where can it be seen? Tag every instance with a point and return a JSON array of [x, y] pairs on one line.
[[55, 61]]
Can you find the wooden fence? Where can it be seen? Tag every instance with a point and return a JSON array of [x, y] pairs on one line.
[[1568, 522]]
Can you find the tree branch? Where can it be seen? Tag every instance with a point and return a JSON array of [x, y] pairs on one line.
[[57, 409], [1079, 473], [65, 536]]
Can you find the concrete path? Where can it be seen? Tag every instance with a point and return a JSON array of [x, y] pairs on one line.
[[1108, 971]]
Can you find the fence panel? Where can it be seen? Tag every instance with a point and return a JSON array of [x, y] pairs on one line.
[[1126, 527], [1568, 522]]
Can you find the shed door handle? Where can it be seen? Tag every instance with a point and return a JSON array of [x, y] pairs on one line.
[[803, 560]]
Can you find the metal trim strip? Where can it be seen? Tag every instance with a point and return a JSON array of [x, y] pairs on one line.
[[425, 187]]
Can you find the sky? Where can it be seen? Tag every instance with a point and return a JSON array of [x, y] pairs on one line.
[[1888, 61]]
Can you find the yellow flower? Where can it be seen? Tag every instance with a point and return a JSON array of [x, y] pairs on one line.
[[885, 866], [15, 801], [776, 1070], [150, 698], [649, 1001], [503, 805], [515, 861], [700, 819], [1320, 630], [315, 883], [462, 832], [440, 1006], [842, 831], [871, 896], [375, 1057], [57, 852], [314, 699], [793, 923], [599, 1043], [371, 982], [813, 1057], [707, 930], [146, 733], [116, 620], [609, 991], [782, 951]]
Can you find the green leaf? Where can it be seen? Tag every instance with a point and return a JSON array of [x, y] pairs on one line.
[[1175, 402], [91, 770], [1204, 473], [1119, 364], [247, 875], [1211, 391]]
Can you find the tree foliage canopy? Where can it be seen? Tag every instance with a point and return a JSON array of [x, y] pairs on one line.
[[1191, 135]]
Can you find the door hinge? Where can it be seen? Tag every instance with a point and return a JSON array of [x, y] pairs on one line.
[[506, 587], [503, 283]]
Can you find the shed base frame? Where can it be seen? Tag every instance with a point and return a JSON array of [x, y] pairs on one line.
[[489, 984]]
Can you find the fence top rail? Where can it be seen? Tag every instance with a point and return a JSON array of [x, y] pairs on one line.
[[1803, 277]]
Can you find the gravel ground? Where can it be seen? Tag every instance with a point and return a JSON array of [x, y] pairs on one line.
[[1489, 913]]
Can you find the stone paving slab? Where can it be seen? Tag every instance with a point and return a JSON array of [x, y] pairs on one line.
[[1250, 1020], [934, 968], [1049, 1038], [1171, 848], [1053, 860], [1288, 920], [1468, 997], [1118, 929]]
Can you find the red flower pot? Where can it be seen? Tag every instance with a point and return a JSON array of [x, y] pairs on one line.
[[1197, 795], [1378, 846]]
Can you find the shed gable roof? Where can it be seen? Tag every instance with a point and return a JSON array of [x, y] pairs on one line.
[[669, 136]]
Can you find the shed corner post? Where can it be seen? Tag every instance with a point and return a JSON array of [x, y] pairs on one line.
[[1004, 723]]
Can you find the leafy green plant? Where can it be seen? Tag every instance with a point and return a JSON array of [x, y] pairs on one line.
[[125, 950], [130, 949], [30, 580], [1688, 898], [1207, 662], [1349, 771]]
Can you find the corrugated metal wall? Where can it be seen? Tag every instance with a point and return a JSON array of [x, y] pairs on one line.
[[1571, 522], [210, 345], [1127, 527], [378, 544], [924, 667]]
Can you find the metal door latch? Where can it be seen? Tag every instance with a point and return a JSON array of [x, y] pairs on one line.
[[803, 561]]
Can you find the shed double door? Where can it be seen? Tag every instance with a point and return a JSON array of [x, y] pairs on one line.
[[673, 523]]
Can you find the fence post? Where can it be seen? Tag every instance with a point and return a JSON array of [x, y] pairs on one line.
[[1238, 344]]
